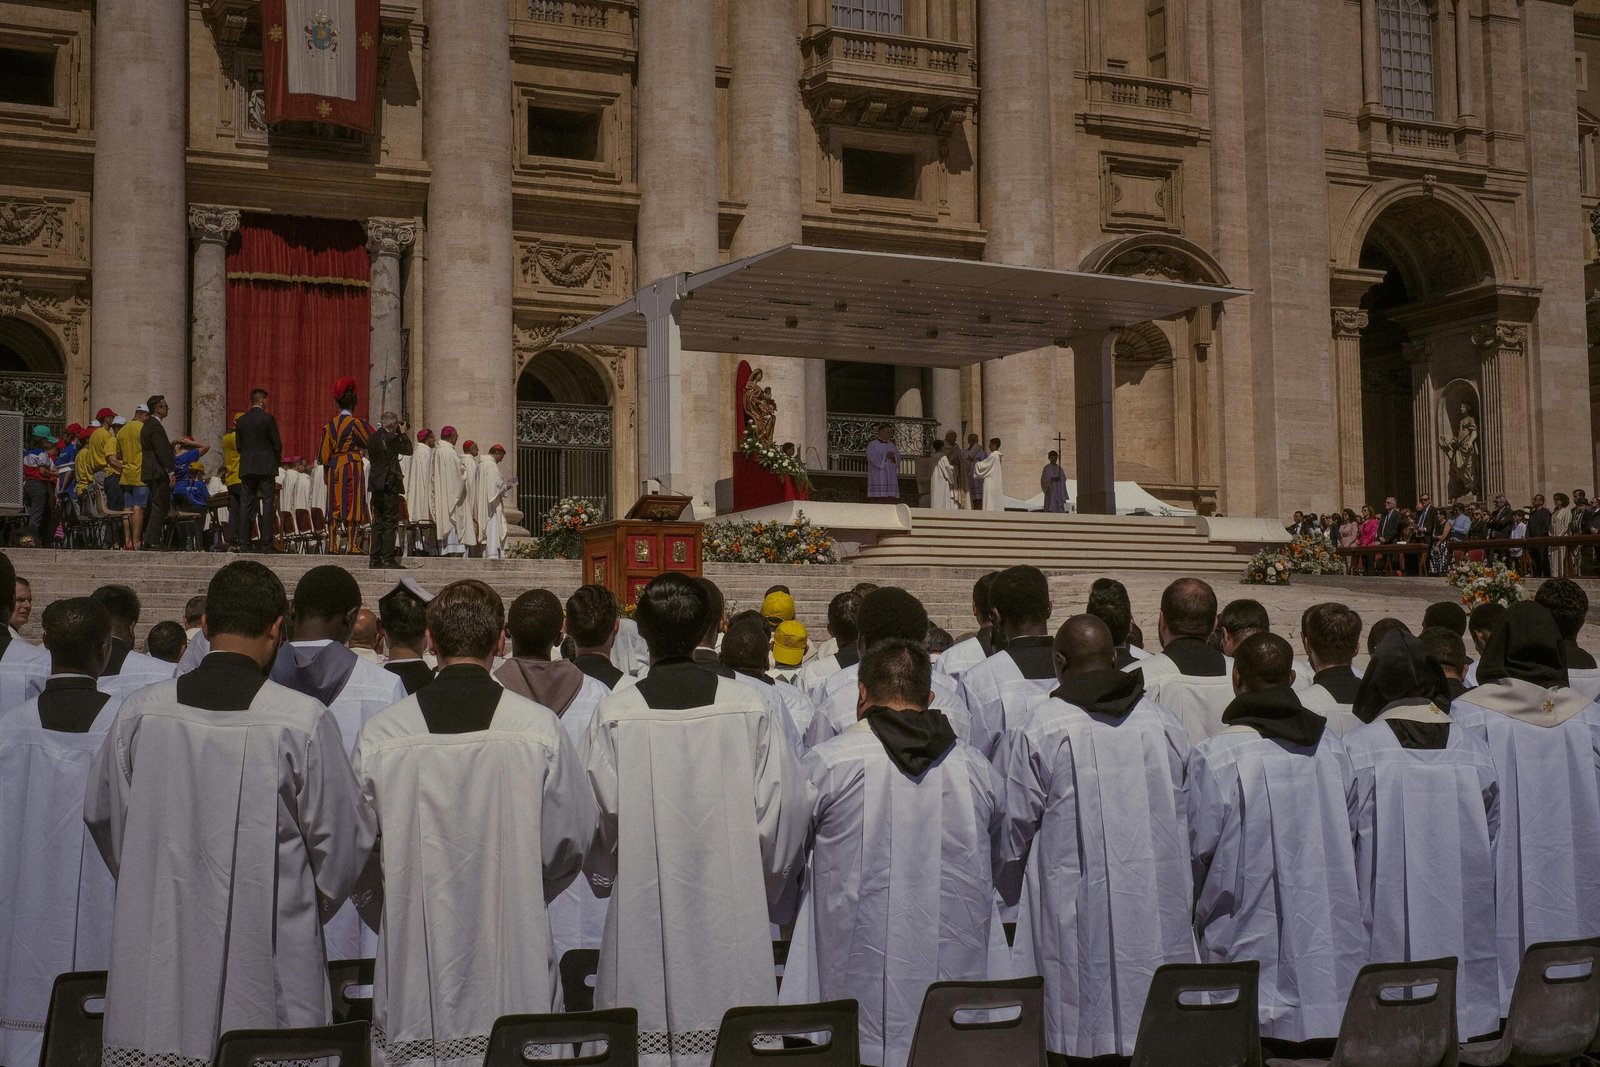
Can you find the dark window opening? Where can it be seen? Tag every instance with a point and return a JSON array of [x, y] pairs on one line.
[[27, 77], [562, 134], [869, 173]]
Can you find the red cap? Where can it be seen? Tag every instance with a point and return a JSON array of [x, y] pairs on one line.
[[497, 448], [469, 444], [105, 415]]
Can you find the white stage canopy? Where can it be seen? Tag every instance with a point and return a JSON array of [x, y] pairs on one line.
[[878, 307]]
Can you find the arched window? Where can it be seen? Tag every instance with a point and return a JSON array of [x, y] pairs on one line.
[[879, 16], [1405, 35]]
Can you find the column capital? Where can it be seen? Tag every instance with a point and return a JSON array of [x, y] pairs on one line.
[[1418, 352], [1349, 322], [390, 237], [207, 222], [1500, 337]]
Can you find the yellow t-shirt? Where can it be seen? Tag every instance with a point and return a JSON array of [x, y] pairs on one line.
[[83, 469], [230, 458], [102, 445], [132, 453]]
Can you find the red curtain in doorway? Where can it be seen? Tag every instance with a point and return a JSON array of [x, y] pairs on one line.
[[299, 318]]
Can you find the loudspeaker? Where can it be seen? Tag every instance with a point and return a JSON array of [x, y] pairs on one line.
[[11, 473]]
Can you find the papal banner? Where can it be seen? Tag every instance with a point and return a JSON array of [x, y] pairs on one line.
[[321, 60]]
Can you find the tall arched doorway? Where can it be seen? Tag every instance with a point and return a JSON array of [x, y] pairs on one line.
[[564, 434], [1426, 296], [33, 377]]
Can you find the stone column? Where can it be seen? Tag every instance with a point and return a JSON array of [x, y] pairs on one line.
[[763, 147], [677, 135], [1097, 473], [1504, 422], [1288, 255], [1424, 427], [1347, 326], [140, 240], [387, 240], [1558, 364], [1371, 59], [211, 227], [1465, 109], [469, 369], [944, 388], [1015, 190]]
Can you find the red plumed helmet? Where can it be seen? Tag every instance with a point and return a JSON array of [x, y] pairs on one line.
[[343, 386]]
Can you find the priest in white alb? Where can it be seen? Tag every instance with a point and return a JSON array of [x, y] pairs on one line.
[[1544, 739], [23, 666], [1096, 845], [224, 932], [126, 669], [703, 815], [55, 888], [534, 623], [997, 689], [1427, 812], [468, 864], [989, 470], [489, 501], [904, 830], [318, 663], [942, 486], [1271, 829]]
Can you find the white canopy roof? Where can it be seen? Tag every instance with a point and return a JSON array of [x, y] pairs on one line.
[[877, 307]]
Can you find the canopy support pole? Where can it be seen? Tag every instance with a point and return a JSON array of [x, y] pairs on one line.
[[664, 456], [1096, 441]]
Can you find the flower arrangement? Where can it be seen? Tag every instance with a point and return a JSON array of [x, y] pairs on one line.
[[801, 542], [771, 458], [1313, 554], [1270, 566], [558, 533], [1487, 582]]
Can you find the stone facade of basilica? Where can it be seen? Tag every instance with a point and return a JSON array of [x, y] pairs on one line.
[[1405, 187]]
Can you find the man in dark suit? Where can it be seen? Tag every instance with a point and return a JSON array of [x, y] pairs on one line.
[[1389, 532], [1427, 523], [260, 453], [158, 470], [1539, 526], [385, 483], [1501, 520]]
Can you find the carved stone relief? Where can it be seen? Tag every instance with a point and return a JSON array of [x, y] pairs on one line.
[[573, 265], [24, 224], [65, 313]]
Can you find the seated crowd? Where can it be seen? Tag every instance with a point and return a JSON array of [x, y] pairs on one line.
[[465, 793]]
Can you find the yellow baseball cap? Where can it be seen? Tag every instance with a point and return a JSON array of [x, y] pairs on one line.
[[778, 606], [789, 642]]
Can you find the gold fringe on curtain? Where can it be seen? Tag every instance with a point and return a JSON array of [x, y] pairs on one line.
[[298, 279]]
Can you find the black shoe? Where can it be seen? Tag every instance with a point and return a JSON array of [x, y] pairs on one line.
[[393, 565]]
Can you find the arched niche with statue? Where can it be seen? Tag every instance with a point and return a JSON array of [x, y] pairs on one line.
[[1459, 418]]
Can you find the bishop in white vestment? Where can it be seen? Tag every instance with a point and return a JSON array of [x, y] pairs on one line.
[[703, 812], [1427, 811], [1544, 739], [219, 927], [56, 894], [988, 470], [448, 502]]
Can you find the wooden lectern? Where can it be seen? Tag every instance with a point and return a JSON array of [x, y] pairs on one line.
[[624, 554]]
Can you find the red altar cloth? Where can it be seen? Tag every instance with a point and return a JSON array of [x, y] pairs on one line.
[[756, 487]]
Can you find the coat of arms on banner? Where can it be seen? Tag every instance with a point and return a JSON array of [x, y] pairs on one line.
[[321, 33]]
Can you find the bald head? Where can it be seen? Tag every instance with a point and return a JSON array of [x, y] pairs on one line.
[[1188, 609], [366, 630], [1262, 661], [1084, 644]]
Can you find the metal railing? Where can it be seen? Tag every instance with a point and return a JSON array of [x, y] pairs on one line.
[[848, 436]]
